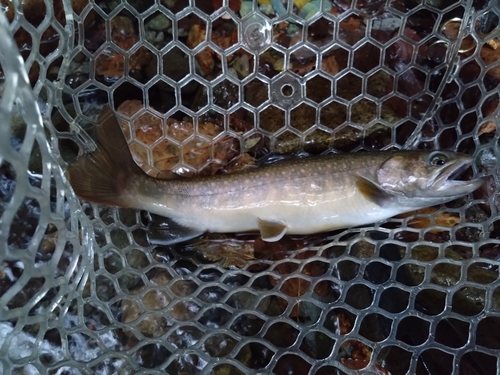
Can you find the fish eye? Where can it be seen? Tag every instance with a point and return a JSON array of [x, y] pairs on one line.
[[437, 159]]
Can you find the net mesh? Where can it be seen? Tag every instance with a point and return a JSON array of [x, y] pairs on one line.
[[203, 87]]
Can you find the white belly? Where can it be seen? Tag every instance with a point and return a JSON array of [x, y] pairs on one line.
[[302, 216]]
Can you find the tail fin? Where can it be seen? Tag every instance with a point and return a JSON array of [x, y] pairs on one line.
[[103, 176]]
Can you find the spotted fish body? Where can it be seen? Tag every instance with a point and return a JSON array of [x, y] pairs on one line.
[[307, 195], [301, 196]]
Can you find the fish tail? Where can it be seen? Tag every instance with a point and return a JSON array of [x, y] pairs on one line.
[[103, 176]]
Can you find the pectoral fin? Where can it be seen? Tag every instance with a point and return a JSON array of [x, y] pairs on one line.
[[165, 231], [373, 192], [271, 231]]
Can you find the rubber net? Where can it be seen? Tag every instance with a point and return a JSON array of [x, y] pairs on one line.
[[205, 87]]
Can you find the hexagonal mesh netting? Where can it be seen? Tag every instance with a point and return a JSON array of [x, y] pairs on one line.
[[205, 87]]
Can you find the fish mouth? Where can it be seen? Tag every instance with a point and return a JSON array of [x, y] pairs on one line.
[[447, 180]]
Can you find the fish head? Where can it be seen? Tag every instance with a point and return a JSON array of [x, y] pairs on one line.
[[428, 175]]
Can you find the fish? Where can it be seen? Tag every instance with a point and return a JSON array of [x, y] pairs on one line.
[[297, 196]]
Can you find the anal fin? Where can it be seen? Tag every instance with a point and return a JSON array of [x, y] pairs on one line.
[[165, 231], [271, 231]]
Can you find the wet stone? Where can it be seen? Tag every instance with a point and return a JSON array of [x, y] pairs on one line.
[[153, 324], [225, 95], [176, 67], [466, 300], [362, 250], [129, 281], [159, 22], [332, 116], [137, 259], [18, 128], [24, 224]]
